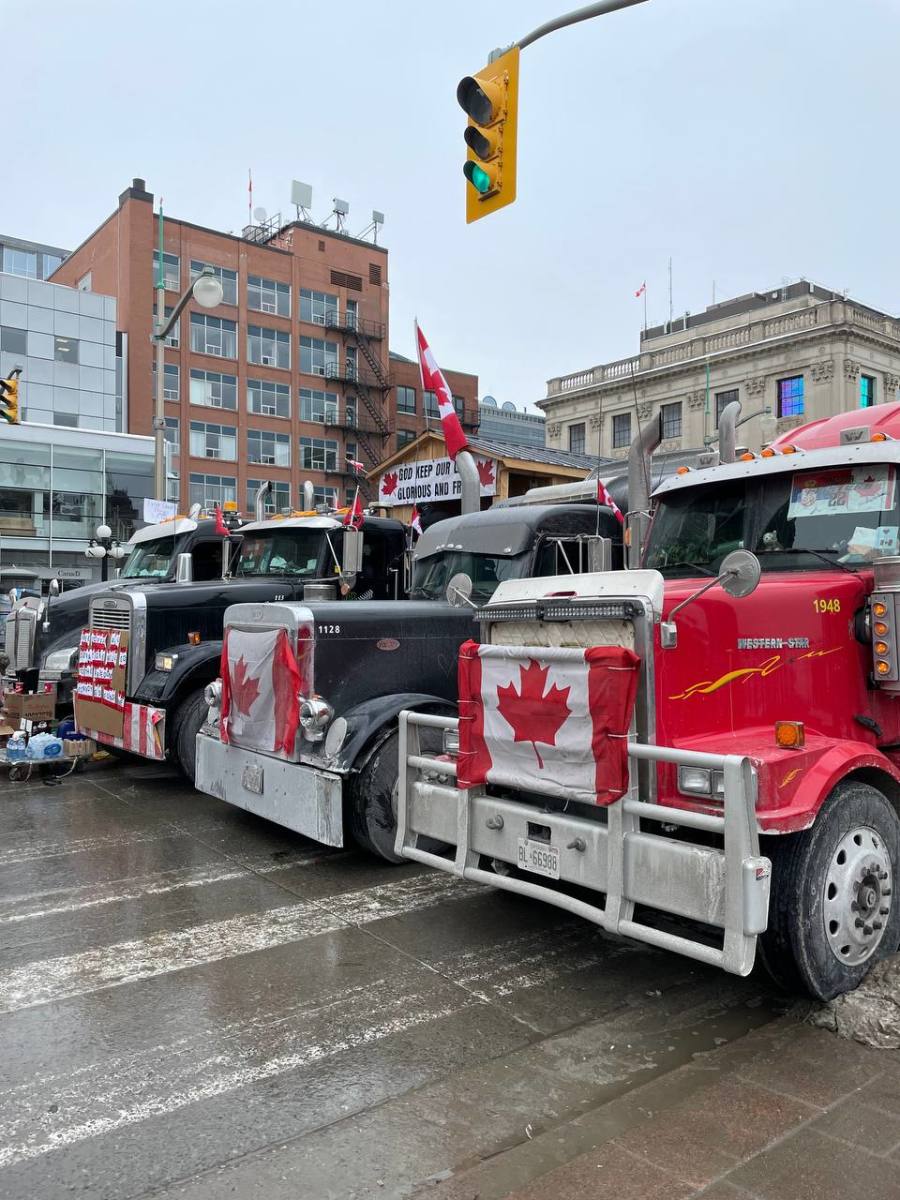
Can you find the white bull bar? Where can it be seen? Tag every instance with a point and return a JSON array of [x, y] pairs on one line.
[[726, 887]]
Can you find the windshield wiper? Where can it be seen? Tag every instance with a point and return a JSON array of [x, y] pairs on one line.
[[821, 555], [697, 567]]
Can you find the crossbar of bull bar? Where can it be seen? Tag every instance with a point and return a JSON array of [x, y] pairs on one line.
[[727, 887]]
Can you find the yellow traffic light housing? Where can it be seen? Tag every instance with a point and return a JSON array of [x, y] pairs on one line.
[[9, 398], [490, 99]]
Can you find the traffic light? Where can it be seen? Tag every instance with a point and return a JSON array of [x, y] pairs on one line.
[[9, 397], [490, 99]]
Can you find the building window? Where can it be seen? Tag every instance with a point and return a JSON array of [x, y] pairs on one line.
[[13, 341], [209, 389], [576, 438], [350, 412], [278, 499], [268, 347], [866, 391], [171, 271], [459, 404], [318, 406], [723, 399], [318, 454], [51, 262], [268, 399], [228, 279], [325, 495], [318, 357], [790, 396], [404, 437], [213, 441], [84, 283], [171, 389], [621, 430], [321, 308], [65, 349], [173, 434], [20, 262], [68, 419], [671, 419], [173, 341], [269, 449], [210, 490], [268, 296], [406, 399], [430, 404], [213, 335]]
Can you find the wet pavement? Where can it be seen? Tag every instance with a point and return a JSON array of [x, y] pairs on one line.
[[196, 1003]]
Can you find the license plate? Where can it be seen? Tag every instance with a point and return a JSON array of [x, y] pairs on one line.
[[539, 857], [252, 778]]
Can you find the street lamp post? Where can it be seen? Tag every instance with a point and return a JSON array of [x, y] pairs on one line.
[[105, 547], [207, 291]]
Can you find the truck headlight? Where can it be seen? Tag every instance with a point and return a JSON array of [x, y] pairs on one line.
[[61, 660], [165, 662], [212, 694], [698, 781], [315, 713]]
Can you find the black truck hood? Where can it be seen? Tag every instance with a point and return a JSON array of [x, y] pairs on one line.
[[69, 615]]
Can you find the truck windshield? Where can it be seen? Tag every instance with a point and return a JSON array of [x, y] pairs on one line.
[[485, 570], [285, 552], [792, 521], [150, 560]]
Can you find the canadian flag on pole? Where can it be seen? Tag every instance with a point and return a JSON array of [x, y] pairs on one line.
[[603, 497], [415, 520], [641, 289], [434, 381], [260, 690], [553, 718], [355, 515]]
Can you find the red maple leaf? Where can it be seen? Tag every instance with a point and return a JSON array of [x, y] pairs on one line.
[[533, 715], [389, 483], [244, 688], [485, 473]]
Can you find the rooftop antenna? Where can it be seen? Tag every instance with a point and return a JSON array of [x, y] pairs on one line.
[[373, 226], [301, 198], [340, 212]]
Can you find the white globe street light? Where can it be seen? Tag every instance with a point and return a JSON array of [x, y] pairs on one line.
[[207, 289], [104, 531]]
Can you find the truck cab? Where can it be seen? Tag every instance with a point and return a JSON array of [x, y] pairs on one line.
[[758, 786], [174, 630]]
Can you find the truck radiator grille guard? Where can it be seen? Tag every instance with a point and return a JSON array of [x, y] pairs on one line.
[[21, 630], [581, 807], [726, 888]]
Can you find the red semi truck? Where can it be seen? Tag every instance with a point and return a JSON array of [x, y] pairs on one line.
[[702, 753]]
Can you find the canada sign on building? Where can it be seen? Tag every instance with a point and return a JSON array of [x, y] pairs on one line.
[[432, 479]]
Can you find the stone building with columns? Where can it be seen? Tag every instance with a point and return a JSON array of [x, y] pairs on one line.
[[789, 356]]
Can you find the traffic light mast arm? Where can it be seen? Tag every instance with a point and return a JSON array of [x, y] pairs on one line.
[[579, 14]]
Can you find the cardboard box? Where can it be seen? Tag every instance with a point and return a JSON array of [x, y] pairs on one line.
[[95, 715], [39, 707]]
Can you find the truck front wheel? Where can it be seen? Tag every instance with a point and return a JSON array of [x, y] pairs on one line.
[[833, 912], [189, 718], [372, 814]]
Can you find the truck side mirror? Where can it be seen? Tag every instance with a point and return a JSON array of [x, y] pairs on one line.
[[351, 555], [738, 575], [184, 569], [599, 553], [459, 591]]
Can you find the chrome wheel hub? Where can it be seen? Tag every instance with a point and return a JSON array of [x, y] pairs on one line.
[[857, 896]]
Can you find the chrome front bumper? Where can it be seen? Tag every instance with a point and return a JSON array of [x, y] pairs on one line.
[[726, 888], [299, 797]]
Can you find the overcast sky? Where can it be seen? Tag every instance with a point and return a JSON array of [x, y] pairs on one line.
[[751, 140]]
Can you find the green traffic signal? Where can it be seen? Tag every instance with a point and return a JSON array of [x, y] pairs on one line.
[[477, 176]]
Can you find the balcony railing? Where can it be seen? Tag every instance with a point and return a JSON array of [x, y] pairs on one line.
[[349, 322]]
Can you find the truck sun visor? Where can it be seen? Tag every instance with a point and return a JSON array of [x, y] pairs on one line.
[[569, 711]]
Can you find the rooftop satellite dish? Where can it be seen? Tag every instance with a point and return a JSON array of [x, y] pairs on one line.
[[259, 214]]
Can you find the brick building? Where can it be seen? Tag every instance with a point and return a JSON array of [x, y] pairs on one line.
[[288, 379]]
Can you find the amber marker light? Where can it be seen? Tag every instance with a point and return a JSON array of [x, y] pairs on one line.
[[790, 735], [194, 639], [879, 608], [881, 647], [880, 629], [768, 452]]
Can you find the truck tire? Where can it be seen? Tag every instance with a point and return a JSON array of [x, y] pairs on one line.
[[372, 813], [189, 718], [833, 912]]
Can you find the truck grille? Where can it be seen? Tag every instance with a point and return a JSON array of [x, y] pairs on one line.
[[110, 618], [21, 627]]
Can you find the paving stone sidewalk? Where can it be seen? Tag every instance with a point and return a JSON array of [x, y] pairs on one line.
[[789, 1112]]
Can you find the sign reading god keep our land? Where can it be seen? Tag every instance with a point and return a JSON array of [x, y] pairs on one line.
[[432, 479]]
